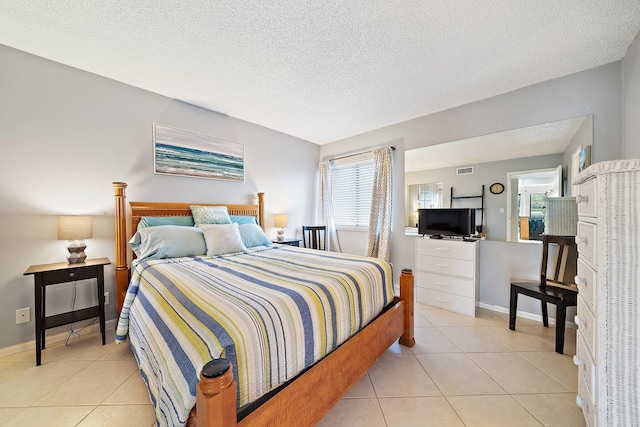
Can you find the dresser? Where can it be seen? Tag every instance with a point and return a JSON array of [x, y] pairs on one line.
[[447, 274], [608, 313]]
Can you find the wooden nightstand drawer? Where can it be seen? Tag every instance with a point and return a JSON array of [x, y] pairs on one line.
[[63, 276]]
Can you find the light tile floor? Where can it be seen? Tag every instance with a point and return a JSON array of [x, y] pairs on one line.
[[462, 372]]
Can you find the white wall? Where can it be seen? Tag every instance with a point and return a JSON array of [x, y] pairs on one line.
[[66, 135], [631, 100], [596, 91]]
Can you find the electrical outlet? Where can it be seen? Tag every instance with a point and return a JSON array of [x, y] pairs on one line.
[[106, 298], [23, 315]]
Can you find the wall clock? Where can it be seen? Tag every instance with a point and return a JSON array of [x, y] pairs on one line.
[[496, 188]]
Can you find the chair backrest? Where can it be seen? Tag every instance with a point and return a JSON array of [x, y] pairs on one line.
[[314, 237], [563, 269]]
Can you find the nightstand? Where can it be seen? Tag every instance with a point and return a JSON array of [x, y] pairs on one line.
[[52, 274], [290, 242]]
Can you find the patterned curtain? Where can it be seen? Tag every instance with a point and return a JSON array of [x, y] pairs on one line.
[[326, 208], [379, 242]]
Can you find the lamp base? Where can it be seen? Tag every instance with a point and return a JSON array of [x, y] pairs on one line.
[[280, 235], [76, 252]]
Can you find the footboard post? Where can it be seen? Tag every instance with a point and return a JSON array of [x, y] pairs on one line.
[[216, 395], [407, 294]]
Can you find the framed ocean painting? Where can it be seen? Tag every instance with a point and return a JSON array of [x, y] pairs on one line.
[[181, 152]]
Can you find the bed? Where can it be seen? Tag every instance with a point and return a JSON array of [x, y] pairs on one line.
[[303, 390]]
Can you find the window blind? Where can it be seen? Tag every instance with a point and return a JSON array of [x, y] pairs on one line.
[[351, 182]]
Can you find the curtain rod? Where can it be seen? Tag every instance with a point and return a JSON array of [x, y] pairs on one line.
[[359, 153]]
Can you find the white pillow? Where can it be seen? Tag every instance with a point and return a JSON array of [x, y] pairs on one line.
[[222, 239]]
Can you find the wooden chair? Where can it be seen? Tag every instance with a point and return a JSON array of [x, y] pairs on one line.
[[558, 289], [314, 237]]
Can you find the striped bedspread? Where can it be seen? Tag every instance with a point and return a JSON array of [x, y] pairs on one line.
[[273, 312]]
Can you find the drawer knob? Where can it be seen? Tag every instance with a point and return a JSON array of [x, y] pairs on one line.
[[72, 274], [578, 321], [579, 402], [442, 249], [580, 281], [442, 300], [577, 361], [582, 199], [442, 265], [442, 284]]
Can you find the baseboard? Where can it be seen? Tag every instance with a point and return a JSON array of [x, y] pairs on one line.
[[52, 339], [524, 314]]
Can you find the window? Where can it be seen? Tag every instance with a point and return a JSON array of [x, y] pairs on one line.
[[351, 184]]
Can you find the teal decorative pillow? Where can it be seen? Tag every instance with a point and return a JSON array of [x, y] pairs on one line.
[[222, 239], [167, 241], [154, 221], [252, 235], [243, 219], [210, 214]]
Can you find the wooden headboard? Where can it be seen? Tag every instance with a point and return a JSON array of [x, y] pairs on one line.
[[127, 223]]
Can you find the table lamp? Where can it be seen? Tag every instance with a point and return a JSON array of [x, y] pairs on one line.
[[75, 229], [280, 221]]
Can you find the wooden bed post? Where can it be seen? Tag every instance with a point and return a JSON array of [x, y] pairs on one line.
[[407, 294], [216, 395], [261, 209], [122, 270]]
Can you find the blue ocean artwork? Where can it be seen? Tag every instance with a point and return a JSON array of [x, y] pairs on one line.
[[180, 152]]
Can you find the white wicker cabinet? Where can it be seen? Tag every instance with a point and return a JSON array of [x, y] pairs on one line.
[[608, 316], [447, 274]]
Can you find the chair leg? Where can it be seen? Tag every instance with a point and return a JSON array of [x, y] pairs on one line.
[[561, 317], [513, 307], [545, 314]]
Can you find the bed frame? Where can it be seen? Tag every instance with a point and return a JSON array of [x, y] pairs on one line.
[[308, 397]]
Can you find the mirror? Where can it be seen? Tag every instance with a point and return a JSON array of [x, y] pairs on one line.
[[461, 173]]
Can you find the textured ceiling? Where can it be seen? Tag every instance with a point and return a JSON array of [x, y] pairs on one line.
[[324, 70]]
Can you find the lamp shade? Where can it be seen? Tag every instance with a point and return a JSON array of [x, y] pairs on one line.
[[561, 216], [75, 227], [281, 220]]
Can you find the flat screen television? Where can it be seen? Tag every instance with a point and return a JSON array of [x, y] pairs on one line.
[[447, 222]]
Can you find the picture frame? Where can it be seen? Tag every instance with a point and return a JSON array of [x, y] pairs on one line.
[[584, 158], [185, 153]]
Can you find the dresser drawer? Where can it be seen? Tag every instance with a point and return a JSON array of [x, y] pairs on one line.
[[586, 240], [446, 301], [583, 400], [586, 322], [586, 280], [447, 266], [586, 198], [448, 284], [586, 368], [446, 248]]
